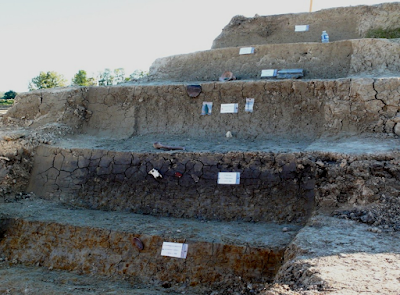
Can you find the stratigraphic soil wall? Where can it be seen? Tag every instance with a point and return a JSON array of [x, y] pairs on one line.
[[282, 187], [282, 108], [272, 187], [296, 109], [341, 23], [99, 251], [287, 109], [319, 61]]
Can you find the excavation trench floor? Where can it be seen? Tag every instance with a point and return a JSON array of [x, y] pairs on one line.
[[348, 144], [269, 235], [19, 279]]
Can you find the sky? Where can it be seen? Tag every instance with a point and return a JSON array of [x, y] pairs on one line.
[[66, 36]]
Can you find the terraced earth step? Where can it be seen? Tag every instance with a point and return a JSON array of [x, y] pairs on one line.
[[19, 279], [339, 256], [273, 187], [332, 60], [42, 233]]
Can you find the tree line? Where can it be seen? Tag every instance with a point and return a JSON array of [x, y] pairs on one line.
[[8, 95], [52, 79]]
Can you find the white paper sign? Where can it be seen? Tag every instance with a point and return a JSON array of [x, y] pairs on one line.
[[269, 73], [229, 108], [177, 250], [302, 28], [228, 177], [249, 105], [246, 50]]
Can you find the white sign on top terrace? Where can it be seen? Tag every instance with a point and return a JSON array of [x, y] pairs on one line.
[[302, 28], [246, 50], [269, 73]]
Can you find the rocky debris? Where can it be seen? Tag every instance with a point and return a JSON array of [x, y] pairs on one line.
[[383, 215], [159, 145], [300, 277], [346, 181], [17, 149], [11, 198], [227, 76], [193, 90]]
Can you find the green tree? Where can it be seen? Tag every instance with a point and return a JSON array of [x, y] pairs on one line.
[[106, 78], [80, 79], [47, 80], [137, 74], [119, 75], [10, 95]]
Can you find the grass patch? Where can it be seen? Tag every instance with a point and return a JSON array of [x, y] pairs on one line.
[[384, 33], [6, 102]]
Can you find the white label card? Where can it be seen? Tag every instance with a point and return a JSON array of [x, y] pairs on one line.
[[302, 28], [229, 178], [177, 250], [269, 73], [229, 108], [246, 50]]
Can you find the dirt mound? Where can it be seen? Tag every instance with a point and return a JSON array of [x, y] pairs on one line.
[[342, 23]]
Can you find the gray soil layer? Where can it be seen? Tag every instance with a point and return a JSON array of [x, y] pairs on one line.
[[19, 279], [268, 235], [343, 143]]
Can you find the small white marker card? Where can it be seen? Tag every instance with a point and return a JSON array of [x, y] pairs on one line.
[[177, 250], [249, 105], [246, 50], [229, 108], [269, 73], [229, 178], [302, 28]]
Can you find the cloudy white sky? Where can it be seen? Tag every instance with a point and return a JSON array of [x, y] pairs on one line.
[[71, 35]]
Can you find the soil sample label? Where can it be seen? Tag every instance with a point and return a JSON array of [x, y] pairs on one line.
[[177, 250], [229, 108], [229, 178]]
